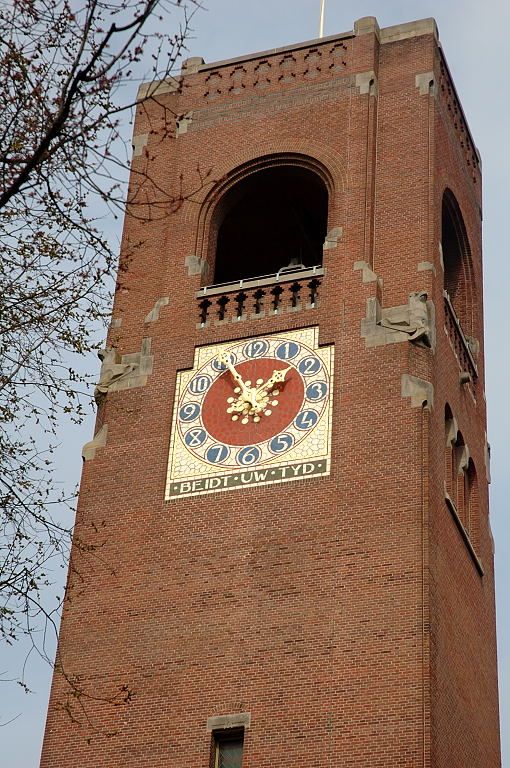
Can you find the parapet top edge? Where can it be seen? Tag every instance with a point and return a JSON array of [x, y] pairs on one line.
[[273, 51], [459, 102], [387, 35]]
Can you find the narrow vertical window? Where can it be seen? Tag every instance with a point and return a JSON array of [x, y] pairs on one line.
[[473, 504], [449, 458], [228, 749]]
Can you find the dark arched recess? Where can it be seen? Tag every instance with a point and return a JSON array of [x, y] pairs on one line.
[[458, 271], [270, 219]]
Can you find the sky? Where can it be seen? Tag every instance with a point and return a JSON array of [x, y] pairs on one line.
[[474, 36]]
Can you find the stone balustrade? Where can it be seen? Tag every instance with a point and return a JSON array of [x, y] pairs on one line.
[[289, 290], [458, 341]]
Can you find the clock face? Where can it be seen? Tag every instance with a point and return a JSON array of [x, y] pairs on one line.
[[259, 404]]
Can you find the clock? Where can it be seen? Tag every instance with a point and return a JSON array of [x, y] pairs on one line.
[[250, 412]]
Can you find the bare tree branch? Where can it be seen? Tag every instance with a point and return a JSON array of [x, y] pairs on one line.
[[64, 164]]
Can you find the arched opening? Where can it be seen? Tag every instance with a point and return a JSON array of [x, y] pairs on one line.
[[458, 273], [271, 219], [472, 504], [449, 456], [460, 479]]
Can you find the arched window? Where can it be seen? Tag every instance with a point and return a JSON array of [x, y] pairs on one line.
[[271, 219], [472, 504], [461, 463], [460, 481], [450, 426], [458, 272]]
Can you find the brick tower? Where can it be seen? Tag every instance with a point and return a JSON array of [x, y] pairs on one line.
[[286, 494]]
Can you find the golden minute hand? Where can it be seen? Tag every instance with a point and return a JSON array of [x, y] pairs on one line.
[[224, 359], [277, 378]]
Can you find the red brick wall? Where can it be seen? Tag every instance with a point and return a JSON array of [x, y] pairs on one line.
[[345, 613]]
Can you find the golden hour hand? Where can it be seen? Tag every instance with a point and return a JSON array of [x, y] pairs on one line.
[[278, 377], [251, 401]]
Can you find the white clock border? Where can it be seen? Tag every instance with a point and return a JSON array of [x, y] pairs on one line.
[[190, 476]]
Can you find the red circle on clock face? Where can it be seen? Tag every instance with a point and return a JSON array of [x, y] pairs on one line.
[[219, 423]]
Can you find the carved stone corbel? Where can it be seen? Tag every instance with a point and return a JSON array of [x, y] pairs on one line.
[[414, 322], [123, 372]]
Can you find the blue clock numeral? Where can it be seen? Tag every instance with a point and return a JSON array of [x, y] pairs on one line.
[[316, 391], [217, 453], [199, 384], [281, 443], [309, 366], [306, 419], [189, 412], [248, 455], [194, 438], [287, 351], [219, 367], [256, 348]]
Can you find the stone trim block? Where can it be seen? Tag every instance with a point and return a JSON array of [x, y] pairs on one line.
[[183, 122], [195, 265], [474, 345], [366, 271], [116, 322], [414, 321], [426, 266], [192, 65], [124, 372], [367, 82], [223, 722], [420, 391], [462, 455], [410, 29], [88, 451], [138, 143], [154, 313], [426, 84], [158, 87], [366, 26], [451, 429], [332, 238], [487, 458]]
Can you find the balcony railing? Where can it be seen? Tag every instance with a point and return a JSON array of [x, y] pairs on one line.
[[284, 291], [458, 340]]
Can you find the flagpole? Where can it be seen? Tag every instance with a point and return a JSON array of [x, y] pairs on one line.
[[321, 21]]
